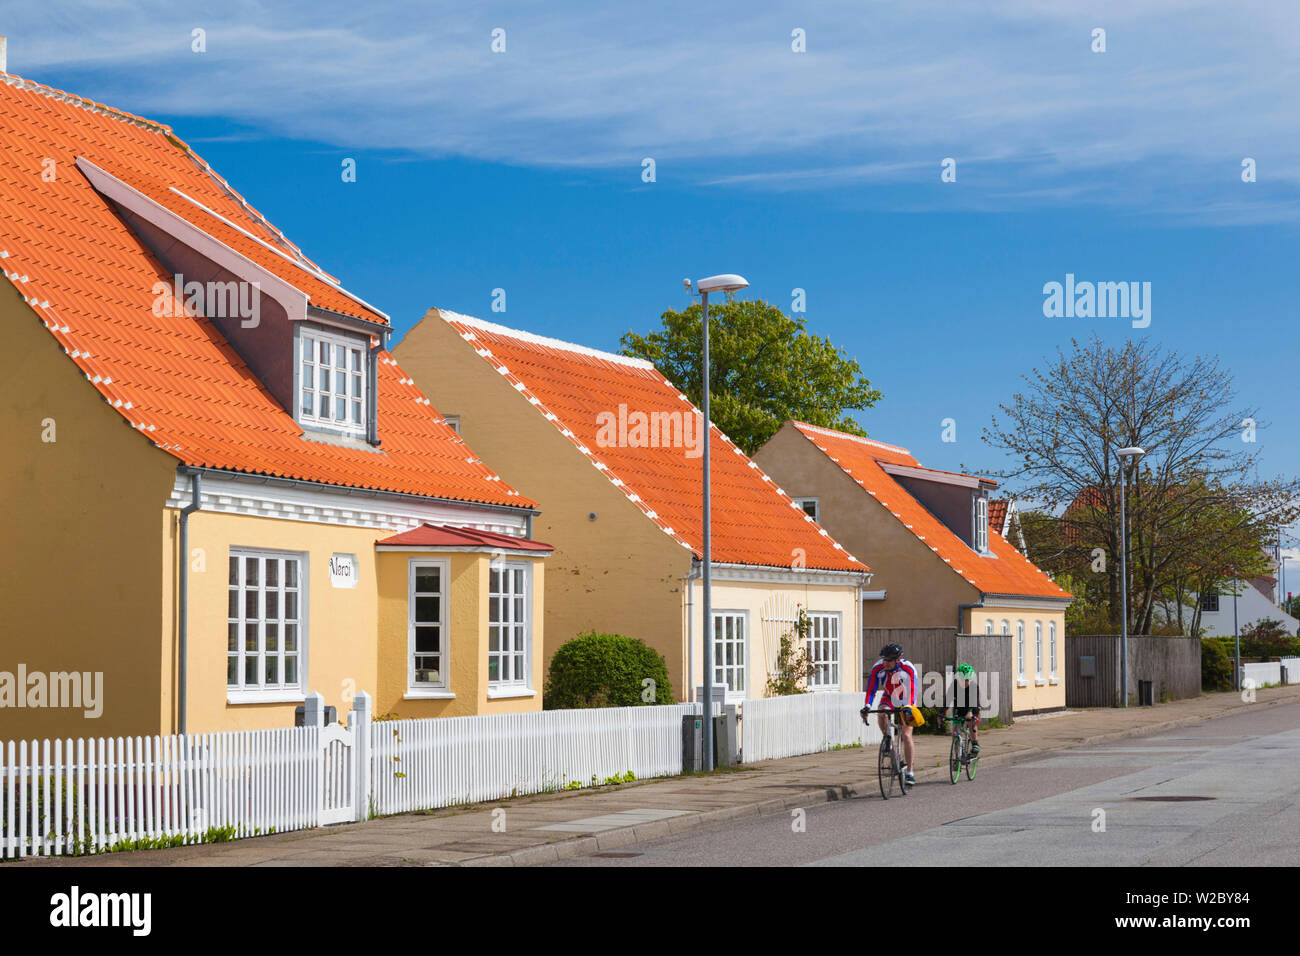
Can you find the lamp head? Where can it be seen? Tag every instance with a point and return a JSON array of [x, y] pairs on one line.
[[722, 283]]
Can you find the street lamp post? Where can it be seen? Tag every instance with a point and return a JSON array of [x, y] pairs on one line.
[[719, 283], [1124, 453]]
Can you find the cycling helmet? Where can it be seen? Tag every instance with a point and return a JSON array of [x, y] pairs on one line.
[[966, 672], [890, 651]]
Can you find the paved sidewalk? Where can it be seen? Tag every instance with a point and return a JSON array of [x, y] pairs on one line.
[[563, 825]]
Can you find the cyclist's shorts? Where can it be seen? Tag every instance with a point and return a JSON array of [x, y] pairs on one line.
[[966, 712]]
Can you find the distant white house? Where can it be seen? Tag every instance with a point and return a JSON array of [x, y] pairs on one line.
[[1252, 605]]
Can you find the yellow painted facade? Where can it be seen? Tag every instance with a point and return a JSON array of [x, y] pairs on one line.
[[922, 590], [90, 562], [613, 569]]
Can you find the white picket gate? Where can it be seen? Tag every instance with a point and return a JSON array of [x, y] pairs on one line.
[[337, 775]]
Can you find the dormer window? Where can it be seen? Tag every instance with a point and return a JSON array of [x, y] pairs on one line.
[[981, 524], [332, 382]]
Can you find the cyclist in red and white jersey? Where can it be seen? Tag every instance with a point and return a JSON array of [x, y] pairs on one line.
[[894, 678]]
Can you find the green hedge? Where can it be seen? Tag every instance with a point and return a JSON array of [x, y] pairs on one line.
[[606, 670], [1216, 665]]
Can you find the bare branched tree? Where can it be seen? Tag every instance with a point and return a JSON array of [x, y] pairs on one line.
[[1197, 512]]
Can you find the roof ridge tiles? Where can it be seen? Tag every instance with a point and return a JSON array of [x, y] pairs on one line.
[[545, 341], [857, 438]]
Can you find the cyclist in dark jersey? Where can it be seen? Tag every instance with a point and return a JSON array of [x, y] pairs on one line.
[[966, 704]]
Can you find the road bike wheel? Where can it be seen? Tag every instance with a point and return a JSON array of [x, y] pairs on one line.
[[885, 768], [954, 758], [971, 761], [898, 767]]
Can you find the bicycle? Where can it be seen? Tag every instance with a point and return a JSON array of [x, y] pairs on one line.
[[889, 764], [960, 755]]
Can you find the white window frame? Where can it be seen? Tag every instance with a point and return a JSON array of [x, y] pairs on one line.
[[281, 691], [817, 508], [355, 378], [1006, 628], [988, 626], [981, 524], [516, 685], [442, 686], [741, 667], [1051, 639], [1038, 653], [1020, 654], [828, 675]]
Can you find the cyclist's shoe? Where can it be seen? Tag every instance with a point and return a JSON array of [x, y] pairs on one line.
[[974, 750], [907, 775]]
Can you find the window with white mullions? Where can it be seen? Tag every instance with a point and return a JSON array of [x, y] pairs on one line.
[[508, 625], [1051, 637], [729, 651], [1020, 649], [824, 650], [332, 376], [264, 621], [981, 524], [427, 624], [1038, 650]]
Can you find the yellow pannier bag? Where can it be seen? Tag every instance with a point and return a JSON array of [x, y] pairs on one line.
[[912, 716]]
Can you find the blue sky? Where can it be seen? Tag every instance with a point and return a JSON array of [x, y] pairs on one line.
[[817, 170]]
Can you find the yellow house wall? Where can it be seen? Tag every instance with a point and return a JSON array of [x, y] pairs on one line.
[[758, 598], [80, 564], [466, 639], [618, 573], [1029, 695]]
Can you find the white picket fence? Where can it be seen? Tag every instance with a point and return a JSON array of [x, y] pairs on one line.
[[83, 796], [1292, 665], [421, 764], [90, 795], [802, 724]]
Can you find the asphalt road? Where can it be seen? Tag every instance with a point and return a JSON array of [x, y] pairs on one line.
[[1243, 771]]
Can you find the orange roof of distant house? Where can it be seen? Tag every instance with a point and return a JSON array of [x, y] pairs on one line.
[[753, 521], [176, 380], [997, 514], [1006, 571]]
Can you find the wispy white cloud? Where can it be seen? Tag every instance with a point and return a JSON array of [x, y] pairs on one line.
[[1162, 119]]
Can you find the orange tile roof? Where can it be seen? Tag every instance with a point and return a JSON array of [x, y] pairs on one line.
[[753, 521], [1006, 572], [997, 514], [176, 380]]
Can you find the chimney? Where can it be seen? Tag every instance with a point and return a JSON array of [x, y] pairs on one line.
[[4, 65]]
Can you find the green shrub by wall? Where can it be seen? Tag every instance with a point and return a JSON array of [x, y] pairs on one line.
[[606, 670]]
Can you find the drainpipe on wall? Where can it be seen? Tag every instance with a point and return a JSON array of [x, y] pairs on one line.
[[690, 629], [196, 493]]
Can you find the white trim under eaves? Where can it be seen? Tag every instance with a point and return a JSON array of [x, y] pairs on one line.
[[769, 575], [305, 266], [1039, 603], [231, 494], [293, 300], [874, 595]]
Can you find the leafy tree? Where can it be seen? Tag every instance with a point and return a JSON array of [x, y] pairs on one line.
[[764, 368], [1196, 514]]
